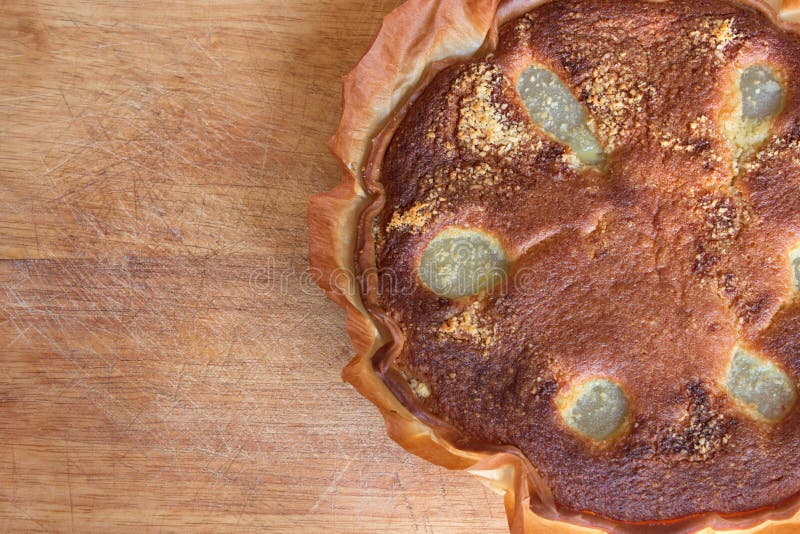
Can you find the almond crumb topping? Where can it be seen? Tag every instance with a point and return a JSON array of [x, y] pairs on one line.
[[714, 36], [468, 326], [483, 127]]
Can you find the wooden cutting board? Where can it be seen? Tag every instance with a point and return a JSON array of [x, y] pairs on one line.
[[166, 364]]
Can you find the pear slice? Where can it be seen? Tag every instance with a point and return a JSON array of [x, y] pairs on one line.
[[459, 262], [760, 99], [761, 387], [597, 410], [556, 111]]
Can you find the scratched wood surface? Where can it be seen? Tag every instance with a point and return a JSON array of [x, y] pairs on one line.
[[165, 364]]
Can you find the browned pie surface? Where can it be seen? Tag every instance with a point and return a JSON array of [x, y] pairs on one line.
[[648, 271]]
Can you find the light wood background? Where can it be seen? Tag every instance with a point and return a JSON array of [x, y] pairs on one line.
[[164, 363]]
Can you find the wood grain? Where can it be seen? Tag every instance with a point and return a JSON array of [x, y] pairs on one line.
[[166, 363]]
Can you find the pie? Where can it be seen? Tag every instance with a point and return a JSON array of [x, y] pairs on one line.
[[568, 242]]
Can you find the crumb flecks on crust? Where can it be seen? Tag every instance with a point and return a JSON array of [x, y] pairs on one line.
[[615, 100], [714, 36], [783, 147], [469, 325], [412, 219], [483, 128], [442, 184], [420, 389], [723, 215], [701, 431], [697, 140]]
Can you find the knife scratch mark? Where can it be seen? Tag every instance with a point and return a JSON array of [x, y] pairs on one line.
[[331, 487], [21, 333]]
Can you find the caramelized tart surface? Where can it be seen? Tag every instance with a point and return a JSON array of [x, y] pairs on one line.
[[589, 243]]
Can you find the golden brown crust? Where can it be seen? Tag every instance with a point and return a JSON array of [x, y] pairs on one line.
[[370, 100]]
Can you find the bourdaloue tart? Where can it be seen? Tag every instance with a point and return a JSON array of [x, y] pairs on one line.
[[568, 242]]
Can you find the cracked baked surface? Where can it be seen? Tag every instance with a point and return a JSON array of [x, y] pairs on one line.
[[608, 270]]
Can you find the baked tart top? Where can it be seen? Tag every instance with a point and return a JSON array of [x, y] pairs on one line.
[[576, 260]]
